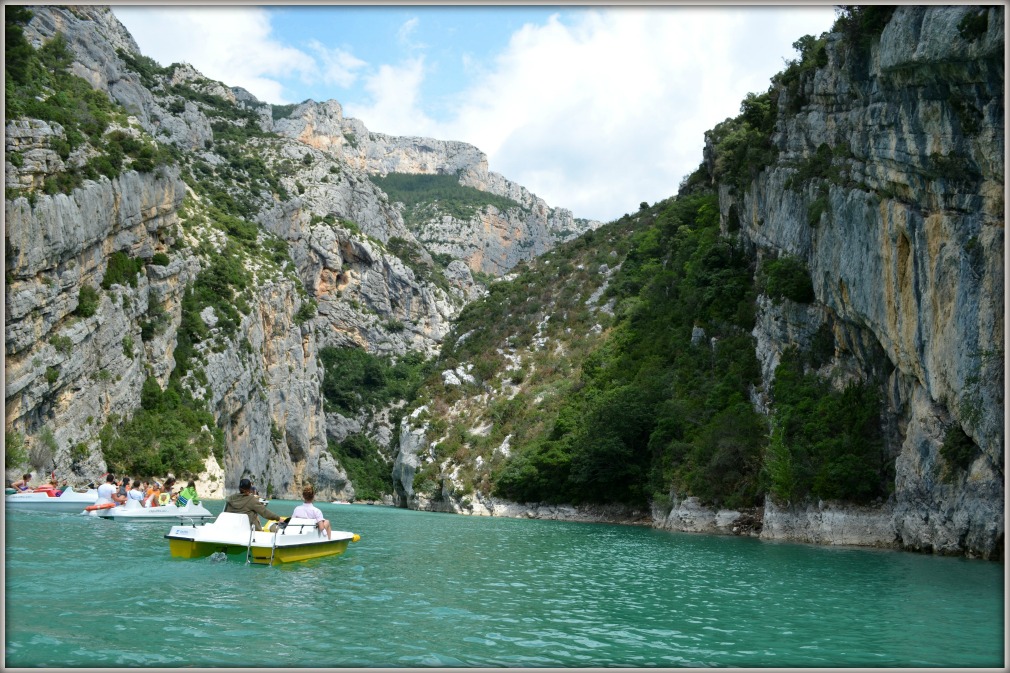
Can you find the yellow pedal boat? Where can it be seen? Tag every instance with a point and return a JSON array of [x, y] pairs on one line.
[[231, 533]]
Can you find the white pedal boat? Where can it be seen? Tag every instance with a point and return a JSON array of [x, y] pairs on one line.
[[132, 510], [45, 500], [232, 533]]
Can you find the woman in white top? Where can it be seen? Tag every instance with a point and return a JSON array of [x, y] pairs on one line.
[[307, 510]]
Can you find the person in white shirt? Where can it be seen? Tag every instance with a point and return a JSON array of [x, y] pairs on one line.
[[107, 491], [307, 510], [135, 493]]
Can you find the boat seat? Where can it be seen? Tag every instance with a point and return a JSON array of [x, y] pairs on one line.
[[233, 520], [298, 525]]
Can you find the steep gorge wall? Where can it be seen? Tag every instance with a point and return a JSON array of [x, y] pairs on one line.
[[67, 372], [263, 383], [906, 259]]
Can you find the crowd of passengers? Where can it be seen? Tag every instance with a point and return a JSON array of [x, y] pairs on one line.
[[148, 492]]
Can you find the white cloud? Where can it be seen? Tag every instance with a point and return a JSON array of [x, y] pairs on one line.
[[611, 109], [396, 93], [339, 66], [230, 44], [405, 35]]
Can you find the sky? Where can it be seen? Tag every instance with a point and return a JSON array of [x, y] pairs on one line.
[[593, 108]]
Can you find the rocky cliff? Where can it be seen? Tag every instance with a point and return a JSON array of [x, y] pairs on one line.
[[874, 164], [889, 185], [328, 262], [493, 240]]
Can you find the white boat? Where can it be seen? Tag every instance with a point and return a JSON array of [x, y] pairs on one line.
[[232, 533], [46, 500], [132, 510]]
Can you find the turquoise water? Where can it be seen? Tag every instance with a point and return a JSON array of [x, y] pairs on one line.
[[437, 590]]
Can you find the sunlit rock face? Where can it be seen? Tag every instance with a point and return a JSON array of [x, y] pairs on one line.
[[493, 240]]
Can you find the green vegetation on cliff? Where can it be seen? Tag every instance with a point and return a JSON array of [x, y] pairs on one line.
[[656, 405], [39, 85], [171, 432], [366, 467], [825, 443], [427, 196], [656, 402], [355, 380]]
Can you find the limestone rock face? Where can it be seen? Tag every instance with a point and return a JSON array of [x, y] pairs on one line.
[[491, 241], [359, 277], [30, 141], [269, 402], [409, 455], [906, 258], [68, 372]]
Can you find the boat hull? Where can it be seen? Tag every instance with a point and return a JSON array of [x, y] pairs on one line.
[[230, 533], [258, 554], [68, 503], [133, 512]]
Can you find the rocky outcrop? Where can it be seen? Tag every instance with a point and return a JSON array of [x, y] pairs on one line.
[[491, 241], [690, 516], [905, 252], [269, 404], [831, 524], [412, 449]]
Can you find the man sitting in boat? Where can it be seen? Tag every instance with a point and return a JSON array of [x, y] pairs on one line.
[[22, 483], [307, 510], [107, 491], [157, 496], [244, 502]]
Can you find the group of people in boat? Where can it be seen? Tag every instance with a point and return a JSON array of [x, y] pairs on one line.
[[149, 493], [24, 485], [152, 493]]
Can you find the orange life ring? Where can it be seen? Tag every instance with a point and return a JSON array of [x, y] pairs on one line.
[[107, 505]]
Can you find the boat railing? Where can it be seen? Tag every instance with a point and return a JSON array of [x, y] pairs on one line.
[[273, 548], [248, 547]]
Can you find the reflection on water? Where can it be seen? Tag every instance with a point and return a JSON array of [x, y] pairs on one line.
[[436, 590]]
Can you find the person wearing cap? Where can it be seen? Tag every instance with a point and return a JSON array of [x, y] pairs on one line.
[[245, 502]]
